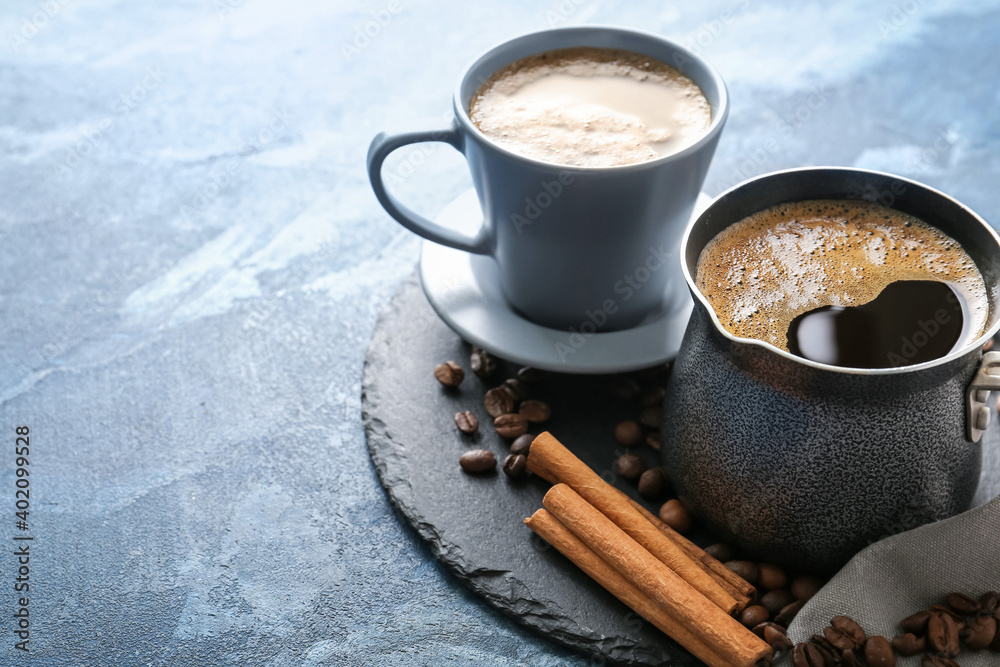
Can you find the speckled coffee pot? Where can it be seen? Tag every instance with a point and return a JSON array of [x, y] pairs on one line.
[[802, 463]]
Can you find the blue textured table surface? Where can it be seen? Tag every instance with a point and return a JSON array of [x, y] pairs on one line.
[[192, 263]]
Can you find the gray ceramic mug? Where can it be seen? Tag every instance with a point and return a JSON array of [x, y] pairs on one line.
[[802, 463], [573, 244]]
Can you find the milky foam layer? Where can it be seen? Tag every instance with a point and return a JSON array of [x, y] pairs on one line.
[[765, 270], [591, 107]]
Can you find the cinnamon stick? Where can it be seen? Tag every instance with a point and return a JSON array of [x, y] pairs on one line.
[[569, 545], [549, 459], [734, 644], [744, 589]]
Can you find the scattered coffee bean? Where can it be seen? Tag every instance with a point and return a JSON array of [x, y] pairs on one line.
[[759, 628], [517, 390], [771, 577], [629, 466], [653, 440], [775, 601], [754, 615], [521, 444], [675, 515], [942, 635], [845, 633], [989, 602], [652, 483], [498, 402], [449, 374], [805, 586], [878, 652], [529, 375], [746, 570], [947, 611], [807, 655], [979, 632], [908, 644], [511, 425], [629, 434], [466, 422], [962, 604], [995, 644], [482, 363], [830, 653], [937, 661], [625, 388], [535, 411], [720, 552], [788, 612], [477, 461], [849, 659], [652, 398], [515, 466], [651, 417], [916, 623], [777, 639]]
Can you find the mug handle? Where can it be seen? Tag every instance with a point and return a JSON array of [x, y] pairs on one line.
[[977, 412], [385, 143]]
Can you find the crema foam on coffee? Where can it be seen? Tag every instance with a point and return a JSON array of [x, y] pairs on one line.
[[798, 273], [591, 107]]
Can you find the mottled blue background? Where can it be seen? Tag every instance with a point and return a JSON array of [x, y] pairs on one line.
[[192, 262]]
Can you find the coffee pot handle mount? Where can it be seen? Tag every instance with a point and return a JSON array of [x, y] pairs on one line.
[[977, 412]]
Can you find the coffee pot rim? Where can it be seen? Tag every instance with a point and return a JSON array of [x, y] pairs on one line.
[[703, 301]]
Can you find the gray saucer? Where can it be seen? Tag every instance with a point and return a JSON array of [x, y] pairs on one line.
[[465, 291]]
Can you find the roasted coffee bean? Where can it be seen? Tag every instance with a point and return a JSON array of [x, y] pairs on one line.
[[449, 374], [466, 422], [482, 363], [652, 398], [831, 654], [777, 639], [653, 440], [720, 552], [775, 601], [995, 644], [849, 659], [908, 644], [771, 577], [805, 586], [511, 426], [878, 652], [522, 444], [947, 611], [625, 388], [515, 466], [989, 602], [629, 434], [760, 627], [651, 417], [979, 632], [754, 615], [498, 402], [477, 461], [937, 661], [529, 375], [942, 635], [747, 570], [788, 612], [535, 411], [962, 604], [807, 655], [916, 623], [630, 467], [845, 633], [675, 515], [517, 389], [652, 483]]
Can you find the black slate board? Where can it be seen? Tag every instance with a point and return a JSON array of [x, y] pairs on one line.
[[474, 525]]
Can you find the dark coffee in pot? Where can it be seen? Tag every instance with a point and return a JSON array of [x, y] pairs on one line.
[[848, 283]]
